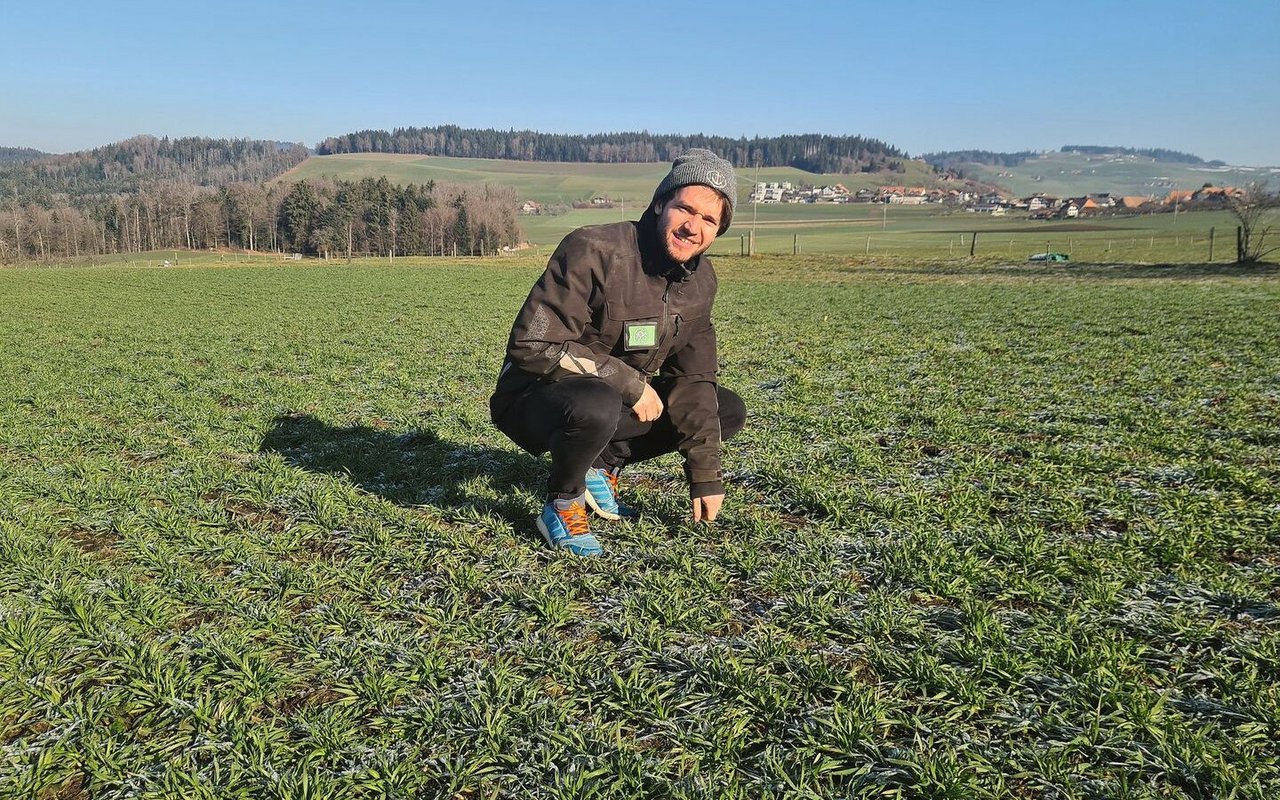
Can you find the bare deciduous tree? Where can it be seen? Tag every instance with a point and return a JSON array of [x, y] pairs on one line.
[[1255, 210]]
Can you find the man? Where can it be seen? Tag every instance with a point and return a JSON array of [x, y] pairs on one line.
[[612, 358]]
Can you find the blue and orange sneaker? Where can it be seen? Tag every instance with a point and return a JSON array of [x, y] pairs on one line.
[[602, 495], [564, 525]]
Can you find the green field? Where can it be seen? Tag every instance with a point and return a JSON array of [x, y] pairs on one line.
[[993, 530], [562, 183], [930, 232], [854, 230]]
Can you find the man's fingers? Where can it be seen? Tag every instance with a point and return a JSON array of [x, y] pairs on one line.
[[706, 509], [649, 407]]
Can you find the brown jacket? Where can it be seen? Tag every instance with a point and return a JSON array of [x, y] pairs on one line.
[[612, 304]]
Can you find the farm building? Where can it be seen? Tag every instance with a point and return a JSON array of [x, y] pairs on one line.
[[1133, 201]]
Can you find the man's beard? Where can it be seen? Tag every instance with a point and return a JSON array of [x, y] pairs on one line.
[[668, 248]]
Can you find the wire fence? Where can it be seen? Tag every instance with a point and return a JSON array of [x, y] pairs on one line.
[[1202, 246]]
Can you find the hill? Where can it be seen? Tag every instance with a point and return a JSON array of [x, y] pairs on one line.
[[123, 167], [810, 152], [952, 159], [19, 155], [560, 183], [1078, 169]]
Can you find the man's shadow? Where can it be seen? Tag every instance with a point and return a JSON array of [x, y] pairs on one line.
[[409, 468]]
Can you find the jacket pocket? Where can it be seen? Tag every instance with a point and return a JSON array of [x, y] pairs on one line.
[[632, 329]]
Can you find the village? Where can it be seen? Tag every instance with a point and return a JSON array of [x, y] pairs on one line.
[[1037, 206]]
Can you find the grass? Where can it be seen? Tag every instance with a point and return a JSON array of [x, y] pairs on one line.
[[849, 230], [865, 231], [993, 530]]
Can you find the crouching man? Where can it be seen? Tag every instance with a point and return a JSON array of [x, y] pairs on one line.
[[612, 358]]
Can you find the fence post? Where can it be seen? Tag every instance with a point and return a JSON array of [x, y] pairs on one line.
[[973, 244], [1210, 244], [1239, 243], [795, 244]]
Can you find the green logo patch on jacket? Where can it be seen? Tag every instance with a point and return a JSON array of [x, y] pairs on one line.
[[640, 335]]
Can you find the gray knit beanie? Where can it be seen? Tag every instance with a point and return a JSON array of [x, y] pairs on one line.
[[699, 166]]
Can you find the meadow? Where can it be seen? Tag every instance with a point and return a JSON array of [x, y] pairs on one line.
[[869, 231], [559, 183], [993, 530], [854, 230]]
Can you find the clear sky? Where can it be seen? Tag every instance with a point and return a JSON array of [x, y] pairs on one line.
[[1192, 75]]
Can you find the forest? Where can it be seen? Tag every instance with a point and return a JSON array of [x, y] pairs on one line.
[[818, 153], [326, 218], [125, 166], [148, 193]]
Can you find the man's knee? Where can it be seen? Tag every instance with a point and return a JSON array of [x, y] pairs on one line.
[[733, 412], [591, 404]]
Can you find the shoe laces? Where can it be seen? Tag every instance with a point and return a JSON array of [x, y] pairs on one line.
[[613, 482], [575, 519]]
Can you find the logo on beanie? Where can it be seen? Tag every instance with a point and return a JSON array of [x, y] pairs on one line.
[[716, 179]]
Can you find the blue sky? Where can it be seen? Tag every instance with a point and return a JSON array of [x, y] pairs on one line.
[[1201, 77]]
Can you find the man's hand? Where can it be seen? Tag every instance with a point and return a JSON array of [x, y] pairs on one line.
[[706, 508], [649, 406]]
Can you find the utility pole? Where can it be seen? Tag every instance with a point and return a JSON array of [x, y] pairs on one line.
[[755, 194]]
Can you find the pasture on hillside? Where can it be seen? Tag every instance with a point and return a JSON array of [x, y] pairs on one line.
[[560, 183], [851, 230], [1074, 174], [993, 530]]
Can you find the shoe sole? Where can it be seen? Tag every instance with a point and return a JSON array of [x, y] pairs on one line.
[[546, 534], [591, 501]]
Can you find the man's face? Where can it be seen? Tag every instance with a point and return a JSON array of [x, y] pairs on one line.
[[690, 221]]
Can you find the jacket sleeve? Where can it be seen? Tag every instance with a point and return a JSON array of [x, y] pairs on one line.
[[694, 409], [546, 337]]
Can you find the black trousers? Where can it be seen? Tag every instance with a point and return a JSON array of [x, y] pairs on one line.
[[583, 423]]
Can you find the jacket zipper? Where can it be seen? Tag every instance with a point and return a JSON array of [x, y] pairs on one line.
[[662, 328]]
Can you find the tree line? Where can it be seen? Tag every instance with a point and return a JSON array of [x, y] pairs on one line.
[[1153, 153], [819, 153], [953, 160], [324, 217], [123, 167], [14, 155]]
